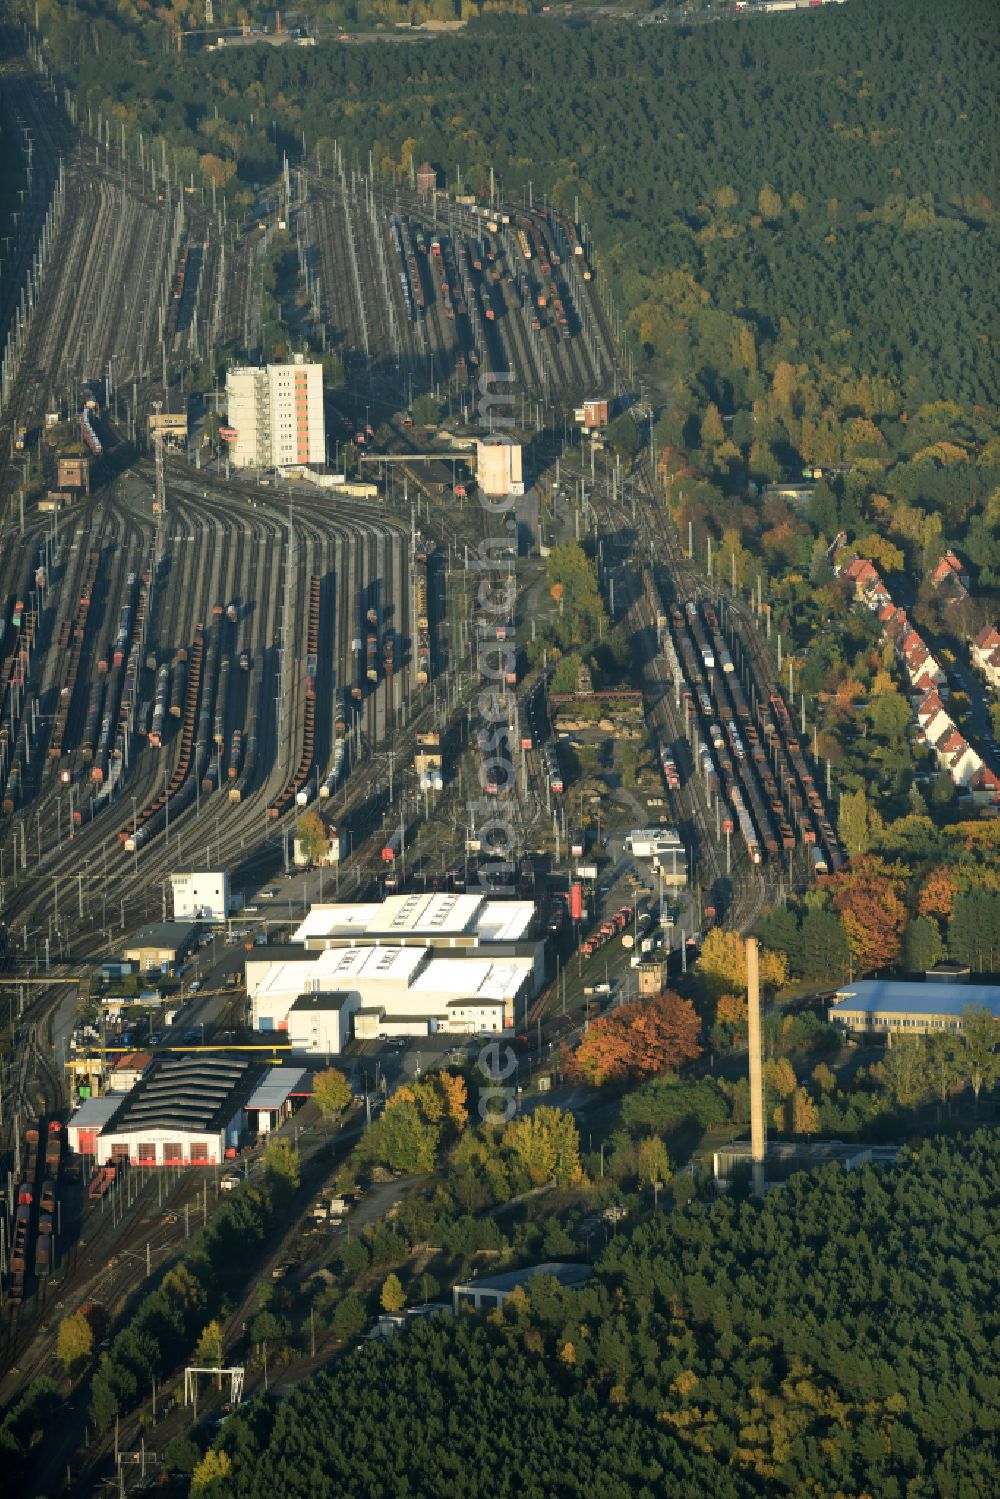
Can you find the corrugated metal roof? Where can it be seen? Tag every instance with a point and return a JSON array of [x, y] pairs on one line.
[[900, 996], [93, 1113], [567, 1274], [278, 1085], [195, 1093]]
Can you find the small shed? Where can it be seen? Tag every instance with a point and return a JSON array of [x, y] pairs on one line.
[[274, 1098]]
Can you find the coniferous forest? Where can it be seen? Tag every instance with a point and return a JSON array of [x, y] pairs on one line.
[[838, 1338], [822, 179]]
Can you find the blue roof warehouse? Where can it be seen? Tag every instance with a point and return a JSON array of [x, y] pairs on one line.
[[889, 1007]]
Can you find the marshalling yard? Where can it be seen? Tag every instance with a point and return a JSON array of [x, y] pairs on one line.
[[182, 659], [185, 657]]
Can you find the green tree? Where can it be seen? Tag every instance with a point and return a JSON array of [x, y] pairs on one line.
[[332, 1092], [668, 1103], [890, 717], [922, 945], [854, 823], [974, 930], [546, 1145], [824, 954], [348, 1319], [980, 1056], [393, 1298], [281, 1163], [425, 411], [266, 1327], [903, 1072], [74, 1342], [208, 1349], [943, 1052], [182, 1454], [943, 791], [623, 436], [103, 1401], [403, 1140], [312, 835], [354, 1259], [654, 1163], [779, 930], [712, 430]]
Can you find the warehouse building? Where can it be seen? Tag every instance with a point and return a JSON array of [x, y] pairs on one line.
[[168, 418], [409, 965], [88, 1121], [443, 921], [489, 1292], [889, 1007], [184, 1111], [159, 948], [126, 1071], [388, 991]]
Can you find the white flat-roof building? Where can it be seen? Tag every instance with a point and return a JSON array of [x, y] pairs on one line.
[[458, 921], [276, 413], [664, 847], [313, 999], [498, 466], [201, 896], [410, 964]]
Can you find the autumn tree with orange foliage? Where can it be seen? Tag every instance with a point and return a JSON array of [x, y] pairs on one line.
[[455, 1095], [867, 896], [937, 893], [637, 1041]]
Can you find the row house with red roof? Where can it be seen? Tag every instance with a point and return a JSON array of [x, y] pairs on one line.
[[985, 653], [951, 578], [927, 683], [953, 752]]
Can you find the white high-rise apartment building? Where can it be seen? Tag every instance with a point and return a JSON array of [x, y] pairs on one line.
[[277, 415]]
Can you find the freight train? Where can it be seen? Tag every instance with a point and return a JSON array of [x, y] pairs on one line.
[[87, 432], [421, 614], [304, 779]]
